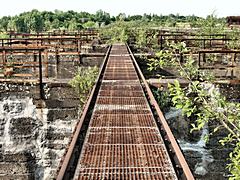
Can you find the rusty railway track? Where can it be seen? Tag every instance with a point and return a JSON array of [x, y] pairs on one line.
[[123, 140]]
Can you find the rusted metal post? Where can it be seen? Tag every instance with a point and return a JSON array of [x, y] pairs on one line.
[[232, 65], [199, 65], [210, 41], [40, 75], [46, 63], [199, 60], [80, 58], [4, 57], [224, 40], [161, 42], [181, 57], [204, 57], [79, 45], [57, 62], [34, 60]]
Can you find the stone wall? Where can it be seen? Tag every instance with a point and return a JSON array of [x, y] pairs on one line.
[[34, 133]]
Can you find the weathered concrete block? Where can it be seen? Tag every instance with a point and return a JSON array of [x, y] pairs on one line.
[[63, 114], [67, 103], [23, 126]]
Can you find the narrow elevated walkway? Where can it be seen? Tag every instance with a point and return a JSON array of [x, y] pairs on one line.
[[123, 140]]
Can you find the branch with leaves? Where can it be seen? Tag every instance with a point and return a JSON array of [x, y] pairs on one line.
[[201, 99], [83, 81]]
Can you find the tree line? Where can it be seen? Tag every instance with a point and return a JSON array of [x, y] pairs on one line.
[[39, 21]]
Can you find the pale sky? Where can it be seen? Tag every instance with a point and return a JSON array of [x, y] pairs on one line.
[[130, 7]]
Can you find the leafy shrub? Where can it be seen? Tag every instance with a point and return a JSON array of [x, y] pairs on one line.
[[83, 81]]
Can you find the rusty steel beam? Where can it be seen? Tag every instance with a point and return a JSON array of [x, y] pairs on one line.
[[197, 39], [54, 38], [41, 90], [178, 155], [19, 81], [194, 35], [218, 51], [64, 164], [11, 49]]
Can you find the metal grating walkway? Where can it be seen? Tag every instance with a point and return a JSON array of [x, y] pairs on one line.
[[123, 141]]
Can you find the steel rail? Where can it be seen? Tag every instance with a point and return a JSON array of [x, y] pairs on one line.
[[178, 155], [67, 157]]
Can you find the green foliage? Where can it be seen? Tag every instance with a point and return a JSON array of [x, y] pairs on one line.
[[234, 36], [102, 17], [211, 25], [84, 81], [180, 100], [161, 59], [141, 38], [74, 25], [162, 98], [145, 37], [20, 24], [234, 167], [116, 32], [3, 35], [136, 32], [172, 56], [208, 26], [201, 100], [89, 24], [36, 21], [5, 20]]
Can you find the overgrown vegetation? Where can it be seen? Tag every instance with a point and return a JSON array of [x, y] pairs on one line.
[[3, 35], [83, 81], [137, 32], [163, 99], [234, 35], [116, 32], [202, 99], [39, 21], [211, 25]]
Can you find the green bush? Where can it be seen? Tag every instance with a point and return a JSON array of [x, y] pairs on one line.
[[83, 81]]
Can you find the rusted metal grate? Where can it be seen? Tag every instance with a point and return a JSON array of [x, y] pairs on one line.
[[125, 135], [120, 93], [123, 67], [135, 161], [125, 174], [114, 86], [120, 73], [120, 77], [123, 141], [108, 156], [122, 120], [121, 111], [123, 101], [133, 83]]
